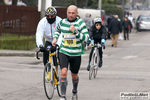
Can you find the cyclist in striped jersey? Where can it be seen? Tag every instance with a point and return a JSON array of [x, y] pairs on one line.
[[74, 32]]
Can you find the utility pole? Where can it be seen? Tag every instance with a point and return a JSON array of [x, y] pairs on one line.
[[48, 3], [43, 8], [99, 4], [122, 8], [43, 5]]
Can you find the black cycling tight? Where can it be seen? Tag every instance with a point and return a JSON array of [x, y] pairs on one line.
[[100, 53]]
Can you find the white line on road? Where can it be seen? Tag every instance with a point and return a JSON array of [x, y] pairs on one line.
[[86, 55], [128, 57], [141, 44]]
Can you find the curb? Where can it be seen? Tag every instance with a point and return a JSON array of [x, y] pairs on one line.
[[21, 54]]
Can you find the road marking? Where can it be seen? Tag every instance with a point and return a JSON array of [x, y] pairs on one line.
[[85, 55], [128, 57], [141, 44]]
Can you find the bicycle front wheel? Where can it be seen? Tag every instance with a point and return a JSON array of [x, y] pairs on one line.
[[58, 70], [91, 67], [90, 72], [48, 81], [96, 60]]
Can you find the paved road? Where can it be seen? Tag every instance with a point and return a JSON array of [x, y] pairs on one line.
[[125, 69]]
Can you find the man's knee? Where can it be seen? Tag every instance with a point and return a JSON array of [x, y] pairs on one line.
[[64, 72], [74, 76]]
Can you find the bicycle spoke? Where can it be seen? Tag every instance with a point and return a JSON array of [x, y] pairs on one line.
[[48, 83]]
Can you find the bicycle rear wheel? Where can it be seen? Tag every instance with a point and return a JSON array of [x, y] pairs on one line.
[[48, 83]]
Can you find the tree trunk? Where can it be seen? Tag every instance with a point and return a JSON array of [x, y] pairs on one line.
[[86, 3], [14, 2]]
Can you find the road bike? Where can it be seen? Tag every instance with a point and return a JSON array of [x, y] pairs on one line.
[[51, 73], [95, 59]]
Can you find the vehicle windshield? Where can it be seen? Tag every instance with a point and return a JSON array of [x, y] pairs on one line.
[[145, 19]]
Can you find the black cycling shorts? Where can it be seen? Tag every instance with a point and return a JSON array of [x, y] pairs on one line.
[[74, 61]]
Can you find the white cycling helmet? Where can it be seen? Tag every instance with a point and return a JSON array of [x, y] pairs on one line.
[[97, 20], [50, 11]]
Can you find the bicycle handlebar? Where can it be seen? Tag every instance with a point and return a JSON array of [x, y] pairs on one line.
[[51, 49], [37, 54], [100, 45]]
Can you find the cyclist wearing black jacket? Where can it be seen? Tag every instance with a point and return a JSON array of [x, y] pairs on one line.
[[98, 33]]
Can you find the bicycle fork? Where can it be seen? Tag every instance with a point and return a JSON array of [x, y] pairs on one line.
[[54, 72], [56, 80]]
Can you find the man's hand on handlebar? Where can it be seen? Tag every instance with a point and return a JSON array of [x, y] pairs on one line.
[[42, 49], [54, 42]]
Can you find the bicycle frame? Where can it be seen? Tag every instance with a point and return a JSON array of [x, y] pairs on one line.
[[96, 52], [53, 79], [53, 69]]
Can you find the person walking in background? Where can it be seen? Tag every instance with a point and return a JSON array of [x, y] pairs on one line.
[[108, 23], [88, 21], [126, 23], [120, 34], [131, 20], [78, 16], [114, 29], [91, 18], [134, 26]]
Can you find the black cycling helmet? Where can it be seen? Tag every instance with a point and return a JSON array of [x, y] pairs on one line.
[[50, 11]]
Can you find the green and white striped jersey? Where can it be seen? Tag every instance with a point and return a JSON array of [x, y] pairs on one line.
[[83, 35]]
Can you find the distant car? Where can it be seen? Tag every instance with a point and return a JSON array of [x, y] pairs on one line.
[[143, 22]]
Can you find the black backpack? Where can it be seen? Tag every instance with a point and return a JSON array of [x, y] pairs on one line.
[[126, 24]]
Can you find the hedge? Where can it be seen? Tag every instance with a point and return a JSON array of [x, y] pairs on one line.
[[18, 44]]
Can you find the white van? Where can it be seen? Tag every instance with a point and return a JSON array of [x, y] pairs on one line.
[[94, 13]]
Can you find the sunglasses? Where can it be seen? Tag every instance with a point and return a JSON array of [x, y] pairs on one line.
[[50, 16], [97, 25]]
